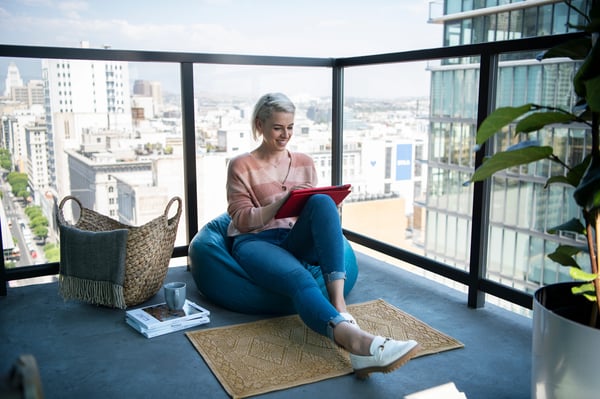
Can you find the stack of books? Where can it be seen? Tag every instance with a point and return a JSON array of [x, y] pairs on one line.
[[155, 320]]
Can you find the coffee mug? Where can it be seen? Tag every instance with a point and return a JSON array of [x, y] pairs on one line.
[[175, 295]]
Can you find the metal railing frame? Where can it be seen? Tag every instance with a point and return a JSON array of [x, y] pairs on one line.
[[488, 53]]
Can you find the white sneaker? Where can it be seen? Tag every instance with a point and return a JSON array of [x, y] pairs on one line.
[[351, 320], [386, 355]]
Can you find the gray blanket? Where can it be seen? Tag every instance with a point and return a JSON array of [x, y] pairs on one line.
[[92, 266]]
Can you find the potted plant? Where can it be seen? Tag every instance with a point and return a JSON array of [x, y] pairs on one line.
[[566, 326]]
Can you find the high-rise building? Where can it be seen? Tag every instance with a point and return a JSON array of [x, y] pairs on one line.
[[82, 96], [520, 214], [37, 157], [13, 79]]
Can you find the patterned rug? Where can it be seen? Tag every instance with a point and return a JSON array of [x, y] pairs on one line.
[[268, 355]]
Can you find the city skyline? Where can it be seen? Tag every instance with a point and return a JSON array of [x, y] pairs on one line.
[[308, 29]]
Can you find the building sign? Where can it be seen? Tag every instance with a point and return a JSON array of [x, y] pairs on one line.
[[403, 161]]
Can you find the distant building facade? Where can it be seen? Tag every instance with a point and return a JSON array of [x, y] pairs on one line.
[[520, 210]]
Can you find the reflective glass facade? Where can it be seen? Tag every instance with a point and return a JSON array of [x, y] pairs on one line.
[[521, 209]]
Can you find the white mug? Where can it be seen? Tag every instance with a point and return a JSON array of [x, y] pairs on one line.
[[175, 295]]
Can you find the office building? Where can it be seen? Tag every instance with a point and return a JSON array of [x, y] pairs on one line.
[[82, 96], [519, 218], [13, 79]]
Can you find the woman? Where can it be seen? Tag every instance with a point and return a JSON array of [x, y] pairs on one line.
[[273, 251]]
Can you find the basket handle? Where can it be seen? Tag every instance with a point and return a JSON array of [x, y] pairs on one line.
[[61, 216], [178, 213]]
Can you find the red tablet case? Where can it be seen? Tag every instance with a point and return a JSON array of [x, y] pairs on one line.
[[298, 198]]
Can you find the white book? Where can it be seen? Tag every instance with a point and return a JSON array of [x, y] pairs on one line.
[[446, 391], [168, 328], [159, 316]]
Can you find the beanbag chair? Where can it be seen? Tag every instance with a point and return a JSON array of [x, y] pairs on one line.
[[222, 280]]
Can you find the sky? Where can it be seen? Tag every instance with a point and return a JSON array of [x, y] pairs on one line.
[[313, 28]]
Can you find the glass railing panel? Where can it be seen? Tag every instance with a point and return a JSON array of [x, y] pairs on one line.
[[408, 131], [106, 132], [224, 100], [522, 207]]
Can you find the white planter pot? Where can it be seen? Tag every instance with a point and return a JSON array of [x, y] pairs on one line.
[[565, 353]]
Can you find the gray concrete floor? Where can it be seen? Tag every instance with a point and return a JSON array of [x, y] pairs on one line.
[[86, 351]]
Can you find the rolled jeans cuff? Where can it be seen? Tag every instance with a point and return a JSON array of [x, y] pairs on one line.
[[332, 323], [329, 277]]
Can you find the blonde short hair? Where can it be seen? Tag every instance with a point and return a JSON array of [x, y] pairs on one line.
[[267, 105]]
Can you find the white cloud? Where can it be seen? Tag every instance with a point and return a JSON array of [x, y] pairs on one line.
[[71, 9]]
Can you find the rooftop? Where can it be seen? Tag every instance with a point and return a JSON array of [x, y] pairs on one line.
[[88, 351]]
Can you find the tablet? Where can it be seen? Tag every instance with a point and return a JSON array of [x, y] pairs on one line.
[[298, 198]]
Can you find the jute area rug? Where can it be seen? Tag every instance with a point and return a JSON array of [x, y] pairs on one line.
[[268, 355]]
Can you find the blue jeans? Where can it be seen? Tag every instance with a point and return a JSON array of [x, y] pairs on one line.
[[275, 259]]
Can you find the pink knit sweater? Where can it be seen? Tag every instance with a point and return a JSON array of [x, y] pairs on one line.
[[250, 187]]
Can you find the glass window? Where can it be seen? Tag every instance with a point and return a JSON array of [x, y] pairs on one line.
[[526, 198], [490, 27], [498, 199], [453, 6], [478, 30], [467, 31], [516, 24], [534, 84], [576, 18], [530, 22], [544, 26], [449, 91], [519, 85], [549, 79], [436, 93], [502, 26], [457, 93], [508, 253], [451, 237], [452, 34], [559, 24]]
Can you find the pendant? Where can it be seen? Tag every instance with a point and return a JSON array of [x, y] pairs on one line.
[[284, 188]]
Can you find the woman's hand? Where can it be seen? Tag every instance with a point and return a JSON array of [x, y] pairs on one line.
[[301, 186]]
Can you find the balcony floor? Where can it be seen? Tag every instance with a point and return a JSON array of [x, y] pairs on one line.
[[84, 351]]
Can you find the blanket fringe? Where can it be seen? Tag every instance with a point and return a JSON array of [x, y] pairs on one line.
[[95, 292]]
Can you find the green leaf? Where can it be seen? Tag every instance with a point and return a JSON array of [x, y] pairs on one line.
[[592, 88], [580, 275], [589, 70], [499, 119], [583, 288], [558, 179], [573, 225], [508, 159], [564, 258], [573, 176], [587, 290], [576, 173], [538, 120], [591, 298], [576, 49], [587, 193]]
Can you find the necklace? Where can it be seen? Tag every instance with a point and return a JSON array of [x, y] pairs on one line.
[[276, 165], [283, 186]]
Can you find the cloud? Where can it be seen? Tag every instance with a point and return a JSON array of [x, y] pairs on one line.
[[71, 9]]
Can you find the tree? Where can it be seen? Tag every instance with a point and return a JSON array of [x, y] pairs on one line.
[[52, 253], [5, 159], [41, 232]]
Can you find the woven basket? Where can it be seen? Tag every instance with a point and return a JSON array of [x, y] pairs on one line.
[[149, 247]]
